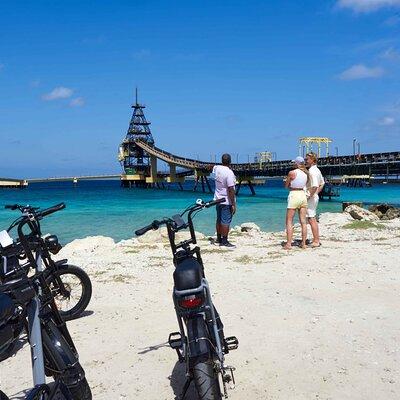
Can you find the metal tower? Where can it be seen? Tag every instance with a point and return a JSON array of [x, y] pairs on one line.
[[134, 160]]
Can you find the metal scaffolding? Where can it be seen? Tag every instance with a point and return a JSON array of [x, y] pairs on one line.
[[306, 145], [134, 160]]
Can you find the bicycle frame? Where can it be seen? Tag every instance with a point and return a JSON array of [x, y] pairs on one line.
[[200, 335], [40, 337]]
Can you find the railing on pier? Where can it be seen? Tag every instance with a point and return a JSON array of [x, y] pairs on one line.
[[375, 163]]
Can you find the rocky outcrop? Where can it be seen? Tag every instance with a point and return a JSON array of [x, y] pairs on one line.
[[249, 226], [385, 211], [361, 213]]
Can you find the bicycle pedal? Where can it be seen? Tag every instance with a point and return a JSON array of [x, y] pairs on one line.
[[175, 340], [231, 343]]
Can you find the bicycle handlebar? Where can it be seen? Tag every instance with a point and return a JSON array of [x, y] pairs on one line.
[[52, 209], [11, 206], [36, 210], [154, 225], [214, 202], [197, 206]]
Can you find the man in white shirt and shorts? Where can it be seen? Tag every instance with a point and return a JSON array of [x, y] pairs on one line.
[[224, 188], [315, 185]]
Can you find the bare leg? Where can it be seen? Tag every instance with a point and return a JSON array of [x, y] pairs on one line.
[[315, 231], [289, 227], [303, 222]]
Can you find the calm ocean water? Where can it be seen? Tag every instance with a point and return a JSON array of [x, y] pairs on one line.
[[104, 208]]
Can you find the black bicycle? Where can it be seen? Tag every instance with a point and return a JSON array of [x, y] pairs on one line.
[[200, 342], [27, 303], [71, 286]]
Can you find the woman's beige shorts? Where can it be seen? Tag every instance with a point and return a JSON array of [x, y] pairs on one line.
[[297, 199]]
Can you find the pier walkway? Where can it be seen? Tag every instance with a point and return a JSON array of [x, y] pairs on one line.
[[74, 178], [383, 165], [367, 164]]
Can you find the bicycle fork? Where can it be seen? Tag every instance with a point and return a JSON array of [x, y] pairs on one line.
[[35, 335], [35, 340]]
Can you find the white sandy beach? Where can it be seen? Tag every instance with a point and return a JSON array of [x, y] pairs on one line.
[[312, 324]]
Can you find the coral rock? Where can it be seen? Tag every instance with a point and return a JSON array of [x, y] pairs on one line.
[[361, 213]]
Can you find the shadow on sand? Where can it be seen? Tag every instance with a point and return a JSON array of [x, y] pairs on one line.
[[86, 313]]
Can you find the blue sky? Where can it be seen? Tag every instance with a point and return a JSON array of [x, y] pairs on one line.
[[216, 76]]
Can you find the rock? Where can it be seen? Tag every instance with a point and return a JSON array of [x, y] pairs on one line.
[[378, 214], [392, 213], [385, 211], [346, 204], [153, 237], [249, 226], [382, 208], [90, 244], [361, 213]]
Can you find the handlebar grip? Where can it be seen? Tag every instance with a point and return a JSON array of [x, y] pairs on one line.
[[215, 202], [11, 206], [154, 225], [53, 209]]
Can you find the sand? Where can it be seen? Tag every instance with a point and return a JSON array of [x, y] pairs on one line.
[[312, 324]]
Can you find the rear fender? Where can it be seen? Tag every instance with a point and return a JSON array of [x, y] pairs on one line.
[[61, 264], [198, 336], [59, 355]]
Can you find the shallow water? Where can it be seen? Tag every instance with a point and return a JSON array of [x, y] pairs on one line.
[[104, 208]]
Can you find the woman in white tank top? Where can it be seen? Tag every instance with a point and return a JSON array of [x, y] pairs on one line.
[[296, 182]]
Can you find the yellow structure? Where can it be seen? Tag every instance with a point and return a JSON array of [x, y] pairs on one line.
[[308, 142]]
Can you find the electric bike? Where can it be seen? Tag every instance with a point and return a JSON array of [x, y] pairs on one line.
[[27, 303], [200, 342], [70, 284]]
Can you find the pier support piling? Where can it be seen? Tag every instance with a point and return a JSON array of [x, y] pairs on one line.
[[248, 181], [201, 177], [253, 192]]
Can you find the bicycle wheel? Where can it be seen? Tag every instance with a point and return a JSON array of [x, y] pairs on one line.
[[79, 291], [3, 396], [81, 391], [206, 381]]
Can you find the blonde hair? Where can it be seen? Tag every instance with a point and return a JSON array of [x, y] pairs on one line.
[[313, 157]]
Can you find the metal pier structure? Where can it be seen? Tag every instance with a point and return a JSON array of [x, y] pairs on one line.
[[138, 157], [367, 165]]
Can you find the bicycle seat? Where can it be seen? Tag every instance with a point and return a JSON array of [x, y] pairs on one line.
[[7, 308], [187, 274]]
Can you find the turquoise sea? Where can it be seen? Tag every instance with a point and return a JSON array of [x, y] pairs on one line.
[[104, 208]]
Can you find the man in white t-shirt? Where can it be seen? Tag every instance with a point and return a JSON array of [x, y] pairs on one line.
[[224, 188], [315, 185]]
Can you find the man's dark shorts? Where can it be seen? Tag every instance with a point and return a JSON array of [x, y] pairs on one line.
[[224, 214]]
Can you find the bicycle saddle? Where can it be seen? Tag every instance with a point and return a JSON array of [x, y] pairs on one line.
[[187, 274]]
